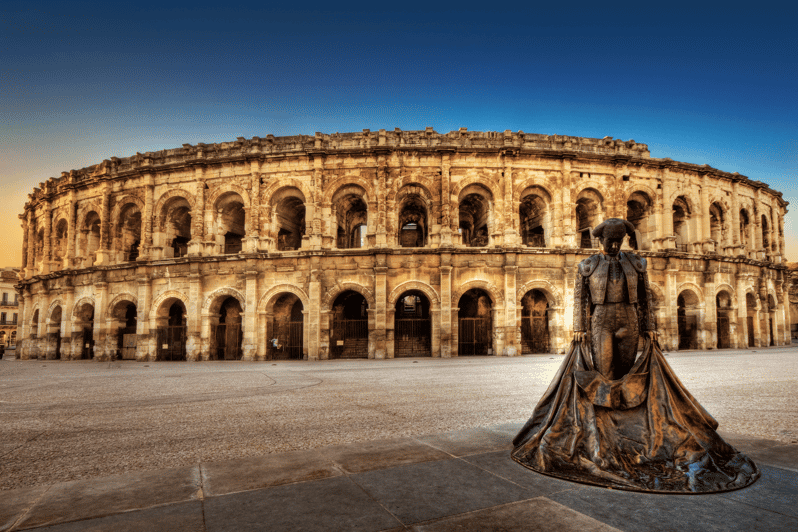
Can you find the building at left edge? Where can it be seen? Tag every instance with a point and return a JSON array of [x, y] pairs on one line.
[[386, 244]]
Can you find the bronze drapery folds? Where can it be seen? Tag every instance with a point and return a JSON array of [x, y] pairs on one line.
[[618, 421]]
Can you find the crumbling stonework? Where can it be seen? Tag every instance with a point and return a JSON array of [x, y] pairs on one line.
[[377, 244]]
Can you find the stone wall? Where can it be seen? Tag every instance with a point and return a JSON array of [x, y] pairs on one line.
[[172, 235]]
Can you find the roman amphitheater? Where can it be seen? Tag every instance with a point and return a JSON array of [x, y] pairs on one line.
[[384, 244]]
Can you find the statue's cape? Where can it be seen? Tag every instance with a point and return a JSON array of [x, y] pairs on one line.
[[641, 432]]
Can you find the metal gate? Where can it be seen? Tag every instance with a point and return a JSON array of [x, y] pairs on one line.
[[474, 336], [534, 334], [724, 332], [294, 346], [87, 347], [349, 338], [126, 343], [171, 343], [227, 339], [412, 338]]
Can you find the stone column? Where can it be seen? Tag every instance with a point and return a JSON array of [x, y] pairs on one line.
[[252, 240], [146, 221], [72, 225], [25, 244], [567, 208], [195, 245], [669, 239], [446, 214], [69, 351], [100, 300], [313, 323], [710, 321], [104, 253], [194, 345], [706, 231], [736, 237], [31, 248], [380, 296], [447, 347], [511, 347], [511, 214], [671, 324], [44, 267], [145, 336], [250, 342]]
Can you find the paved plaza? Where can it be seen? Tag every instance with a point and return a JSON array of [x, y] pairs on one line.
[[369, 445]]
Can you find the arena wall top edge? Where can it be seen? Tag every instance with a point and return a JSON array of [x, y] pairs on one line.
[[461, 140]]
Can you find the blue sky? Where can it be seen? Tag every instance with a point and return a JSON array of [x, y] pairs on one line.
[[81, 81]]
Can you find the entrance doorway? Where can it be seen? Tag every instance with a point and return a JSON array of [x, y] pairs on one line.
[[475, 317], [534, 323], [227, 334], [172, 333], [412, 326], [286, 332], [349, 333]]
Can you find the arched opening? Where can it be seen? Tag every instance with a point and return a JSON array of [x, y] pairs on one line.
[[687, 319], [413, 222], [90, 238], [38, 256], [60, 242], [289, 213], [681, 218], [286, 330], [349, 333], [226, 333], [175, 227], [750, 312], [474, 215], [125, 318], [745, 227], [717, 226], [230, 223], [723, 304], [412, 326], [638, 212], [84, 323], [171, 330], [589, 209], [475, 323], [54, 333], [534, 218], [128, 233], [534, 323], [351, 215]]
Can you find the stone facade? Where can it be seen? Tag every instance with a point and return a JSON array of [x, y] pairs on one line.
[[383, 244], [9, 307]]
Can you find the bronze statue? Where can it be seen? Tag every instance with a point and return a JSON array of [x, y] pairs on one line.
[[616, 419]]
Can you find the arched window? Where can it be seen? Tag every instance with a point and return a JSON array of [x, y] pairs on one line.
[[351, 215], [717, 226], [745, 228], [413, 223], [638, 212], [230, 223], [534, 217], [128, 233], [681, 219], [589, 214], [288, 218], [174, 229], [474, 216]]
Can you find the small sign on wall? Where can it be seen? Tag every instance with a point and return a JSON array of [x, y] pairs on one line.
[[164, 346], [339, 342]]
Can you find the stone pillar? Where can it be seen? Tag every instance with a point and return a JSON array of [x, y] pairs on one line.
[[447, 346], [25, 244], [72, 225], [567, 208], [511, 214], [195, 245], [250, 341], [736, 237], [446, 215], [195, 350], [710, 321], [31, 248], [100, 331], [380, 296], [706, 231], [145, 335], [671, 324], [668, 238], [252, 240], [48, 237], [146, 221], [104, 253], [69, 351], [313, 323]]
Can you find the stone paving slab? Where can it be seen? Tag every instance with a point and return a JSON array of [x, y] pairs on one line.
[[399, 484], [83, 499], [534, 515]]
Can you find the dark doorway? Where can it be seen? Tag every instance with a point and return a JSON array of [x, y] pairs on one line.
[[475, 331], [172, 336], [534, 323], [412, 326], [126, 335], [349, 334], [286, 332], [227, 334]]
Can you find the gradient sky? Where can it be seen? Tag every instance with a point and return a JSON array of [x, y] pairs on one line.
[[81, 82]]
